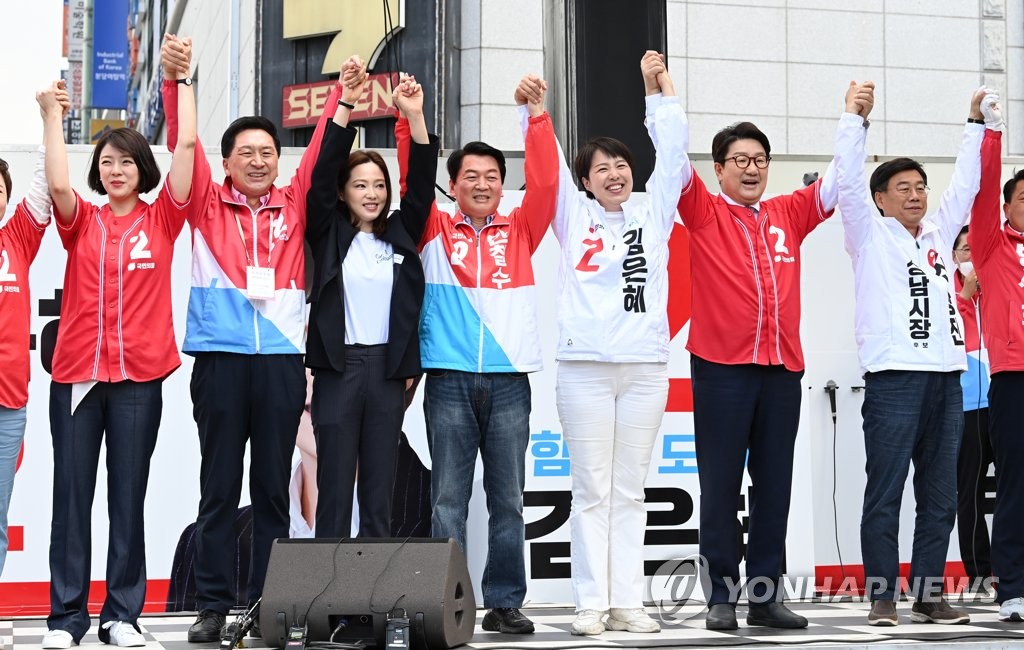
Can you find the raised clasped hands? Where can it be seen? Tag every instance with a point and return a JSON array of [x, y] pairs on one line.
[[408, 95], [353, 79], [860, 98], [530, 91], [54, 100]]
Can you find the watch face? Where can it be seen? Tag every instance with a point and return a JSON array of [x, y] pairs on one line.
[[187, 81]]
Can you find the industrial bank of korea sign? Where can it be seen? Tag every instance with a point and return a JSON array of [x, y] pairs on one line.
[[359, 27]]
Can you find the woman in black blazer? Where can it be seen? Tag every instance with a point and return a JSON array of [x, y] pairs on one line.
[[363, 343]]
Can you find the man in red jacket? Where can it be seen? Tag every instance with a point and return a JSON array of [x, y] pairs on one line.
[[997, 249], [746, 361]]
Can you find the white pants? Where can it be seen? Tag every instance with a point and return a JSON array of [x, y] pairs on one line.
[[610, 414]]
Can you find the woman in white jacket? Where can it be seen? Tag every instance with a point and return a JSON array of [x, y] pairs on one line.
[[612, 354]]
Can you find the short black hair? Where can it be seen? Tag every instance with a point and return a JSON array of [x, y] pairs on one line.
[[6, 173], [135, 145], [959, 236], [585, 157], [258, 122], [880, 177], [738, 131], [475, 148], [1008, 188]]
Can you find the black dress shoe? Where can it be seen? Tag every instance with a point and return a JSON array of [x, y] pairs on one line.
[[721, 617], [507, 620], [207, 627], [774, 615]]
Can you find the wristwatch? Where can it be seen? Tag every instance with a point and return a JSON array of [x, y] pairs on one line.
[[187, 81]]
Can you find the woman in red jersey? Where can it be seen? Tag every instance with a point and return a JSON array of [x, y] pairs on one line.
[[114, 348]]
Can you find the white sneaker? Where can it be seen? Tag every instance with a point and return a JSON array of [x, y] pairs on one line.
[[1012, 610], [123, 635], [58, 640], [631, 620], [588, 622]]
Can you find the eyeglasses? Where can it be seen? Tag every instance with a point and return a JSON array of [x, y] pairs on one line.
[[903, 189], [965, 250], [742, 161]]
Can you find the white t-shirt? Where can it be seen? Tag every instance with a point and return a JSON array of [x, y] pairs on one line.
[[369, 275]]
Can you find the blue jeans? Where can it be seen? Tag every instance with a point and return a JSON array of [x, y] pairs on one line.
[[12, 432], [909, 416], [489, 412]]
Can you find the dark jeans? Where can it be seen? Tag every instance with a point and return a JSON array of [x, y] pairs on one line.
[[736, 409], [909, 416], [238, 398], [972, 469], [357, 419], [1006, 413], [129, 414], [489, 413]]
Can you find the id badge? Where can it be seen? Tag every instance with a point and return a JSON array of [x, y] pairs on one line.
[[259, 282]]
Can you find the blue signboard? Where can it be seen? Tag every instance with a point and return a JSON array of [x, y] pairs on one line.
[[110, 54]]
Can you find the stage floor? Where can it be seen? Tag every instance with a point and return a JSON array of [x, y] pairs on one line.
[[831, 624]]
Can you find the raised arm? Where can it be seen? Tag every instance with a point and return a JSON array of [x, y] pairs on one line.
[[955, 203], [664, 116], [418, 196], [540, 162], [301, 180], [986, 216], [183, 158], [863, 100], [855, 205], [322, 197], [52, 102]]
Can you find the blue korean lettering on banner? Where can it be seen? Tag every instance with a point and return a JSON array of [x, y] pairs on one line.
[[110, 54]]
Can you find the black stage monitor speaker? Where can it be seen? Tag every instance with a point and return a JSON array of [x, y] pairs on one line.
[[349, 589]]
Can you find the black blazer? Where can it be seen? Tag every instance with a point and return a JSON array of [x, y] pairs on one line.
[[330, 234]]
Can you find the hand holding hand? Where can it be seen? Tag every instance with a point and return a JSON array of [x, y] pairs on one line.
[[408, 95], [530, 91], [176, 56], [992, 111], [860, 98], [49, 103], [652, 65], [353, 79]]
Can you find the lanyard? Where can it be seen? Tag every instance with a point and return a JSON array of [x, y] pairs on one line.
[[255, 250]]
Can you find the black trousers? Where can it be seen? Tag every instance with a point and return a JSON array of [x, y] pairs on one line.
[[971, 472], [357, 421], [238, 398], [736, 409], [1006, 412], [128, 415]]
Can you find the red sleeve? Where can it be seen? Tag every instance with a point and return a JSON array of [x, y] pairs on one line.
[[169, 95], [300, 184], [986, 218], [807, 210], [23, 229], [202, 176], [695, 208], [541, 166], [69, 233], [170, 214], [403, 136]]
